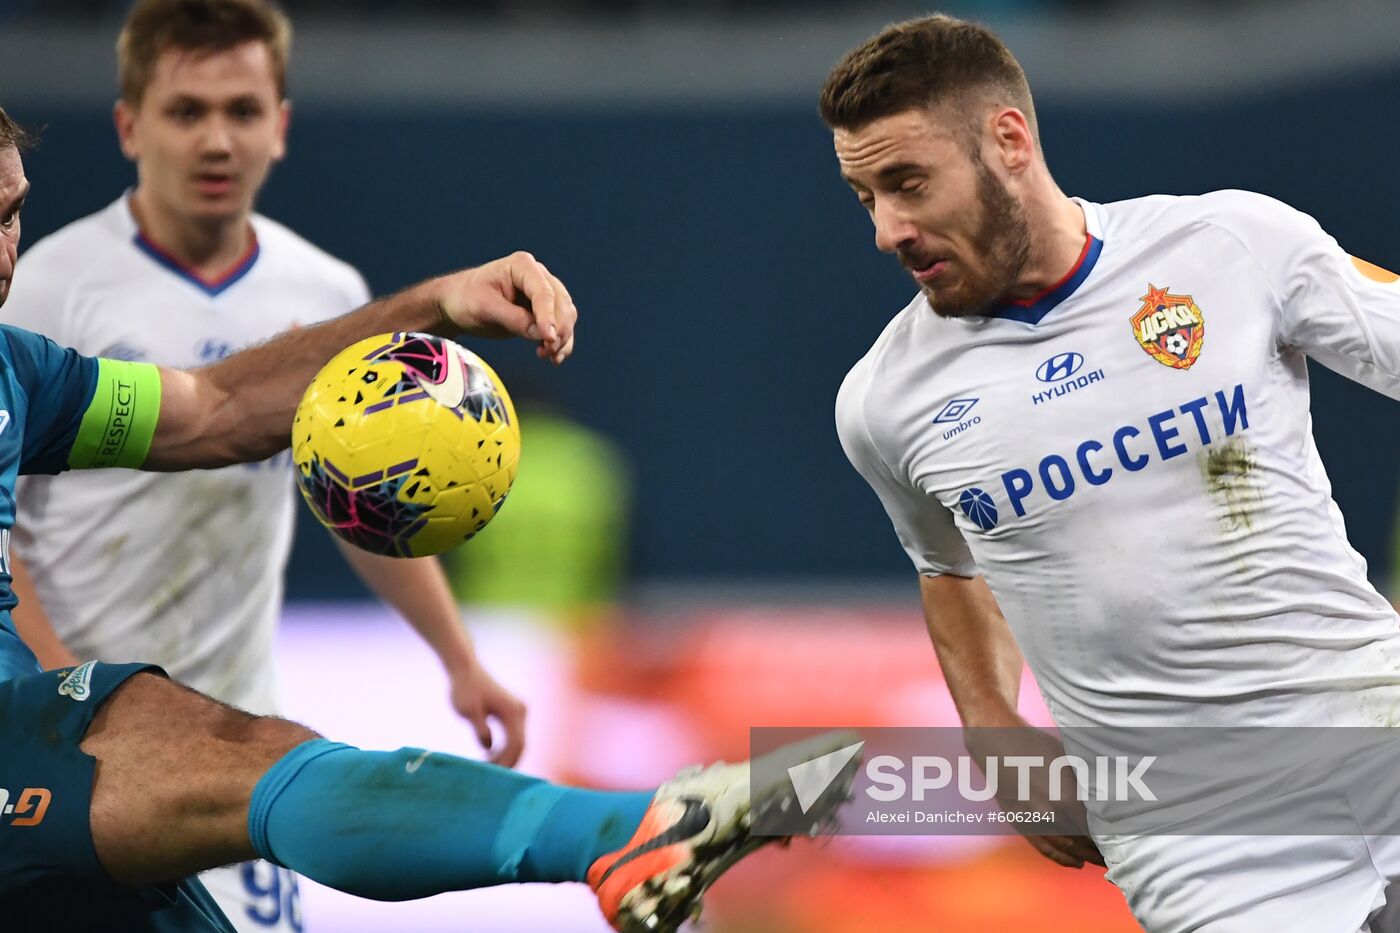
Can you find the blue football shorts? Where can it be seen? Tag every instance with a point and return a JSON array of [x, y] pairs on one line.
[[50, 877]]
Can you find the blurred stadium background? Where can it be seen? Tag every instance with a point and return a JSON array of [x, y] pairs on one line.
[[702, 558]]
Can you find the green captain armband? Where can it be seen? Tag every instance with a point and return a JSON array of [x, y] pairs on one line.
[[120, 420]]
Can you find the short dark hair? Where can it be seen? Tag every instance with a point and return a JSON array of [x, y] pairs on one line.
[[922, 63], [153, 26], [14, 136]]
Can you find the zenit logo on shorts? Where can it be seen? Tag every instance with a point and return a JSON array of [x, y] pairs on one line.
[[1173, 502]]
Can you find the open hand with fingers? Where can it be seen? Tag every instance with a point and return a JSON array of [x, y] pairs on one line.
[[512, 296], [479, 698]]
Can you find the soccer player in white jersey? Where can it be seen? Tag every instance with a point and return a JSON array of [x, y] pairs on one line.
[[187, 570], [1090, 429]]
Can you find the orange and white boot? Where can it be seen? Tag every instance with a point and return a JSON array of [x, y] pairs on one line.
[[698, 825]]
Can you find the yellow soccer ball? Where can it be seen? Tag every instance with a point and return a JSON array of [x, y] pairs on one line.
[[405, 444]]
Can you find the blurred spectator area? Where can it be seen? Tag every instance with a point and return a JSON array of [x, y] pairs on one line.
[[539, 9], [633, 52]]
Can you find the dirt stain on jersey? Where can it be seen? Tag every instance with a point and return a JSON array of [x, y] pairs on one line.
[[1230, 475], [113, 548]]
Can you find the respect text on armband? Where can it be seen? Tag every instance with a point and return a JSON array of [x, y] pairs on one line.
[[118, 422]]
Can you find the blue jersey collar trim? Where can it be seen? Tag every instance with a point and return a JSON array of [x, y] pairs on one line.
[[211, 288], [1034, 310]]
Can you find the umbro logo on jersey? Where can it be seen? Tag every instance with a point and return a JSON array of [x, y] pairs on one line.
[[4, 419], [1063, 373], [1171, 328], [955, 413]]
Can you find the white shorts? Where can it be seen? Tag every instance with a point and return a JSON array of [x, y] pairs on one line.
[[257, 897], [1249, 884], [1280, 884]]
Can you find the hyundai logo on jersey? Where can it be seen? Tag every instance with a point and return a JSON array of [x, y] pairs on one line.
[[1130, 448], [979, 508], [1061, 371], [123, 351], [212, 350], [954, 410], [1060, 366]]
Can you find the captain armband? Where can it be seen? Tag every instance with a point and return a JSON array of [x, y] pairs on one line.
[[120, 421]]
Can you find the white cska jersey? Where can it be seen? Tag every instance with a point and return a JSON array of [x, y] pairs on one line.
[[186, 569], [1129, 462]]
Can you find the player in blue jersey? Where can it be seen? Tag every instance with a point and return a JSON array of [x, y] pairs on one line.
[[118, 785]]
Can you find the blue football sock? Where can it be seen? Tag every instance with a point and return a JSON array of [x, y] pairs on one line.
[[410, 823]]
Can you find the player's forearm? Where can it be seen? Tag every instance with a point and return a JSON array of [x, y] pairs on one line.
[[32, 622], [979, 657], [249, 398], [418, 590], [241, 408]]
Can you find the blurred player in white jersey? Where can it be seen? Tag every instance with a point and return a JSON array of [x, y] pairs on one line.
[[1090, 428], [187, 570]]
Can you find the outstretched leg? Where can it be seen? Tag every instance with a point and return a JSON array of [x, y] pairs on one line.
[[175, 773], [184, 783]]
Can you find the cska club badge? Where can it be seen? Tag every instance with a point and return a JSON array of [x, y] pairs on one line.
[[1170, 328]]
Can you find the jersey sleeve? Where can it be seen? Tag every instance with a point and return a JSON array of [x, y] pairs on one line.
[[1339, 310], [81, 411], [924, 527], [358, 292]]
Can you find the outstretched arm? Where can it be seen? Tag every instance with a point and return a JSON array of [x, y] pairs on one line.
[[982, 666], [978, 654], [417, 589], [241, 408]]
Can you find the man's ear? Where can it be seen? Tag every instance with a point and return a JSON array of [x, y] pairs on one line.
[[284, 120], [124, 118], [1013, 139]]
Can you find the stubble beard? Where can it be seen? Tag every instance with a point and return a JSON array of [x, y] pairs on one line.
[[1002, 243]]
